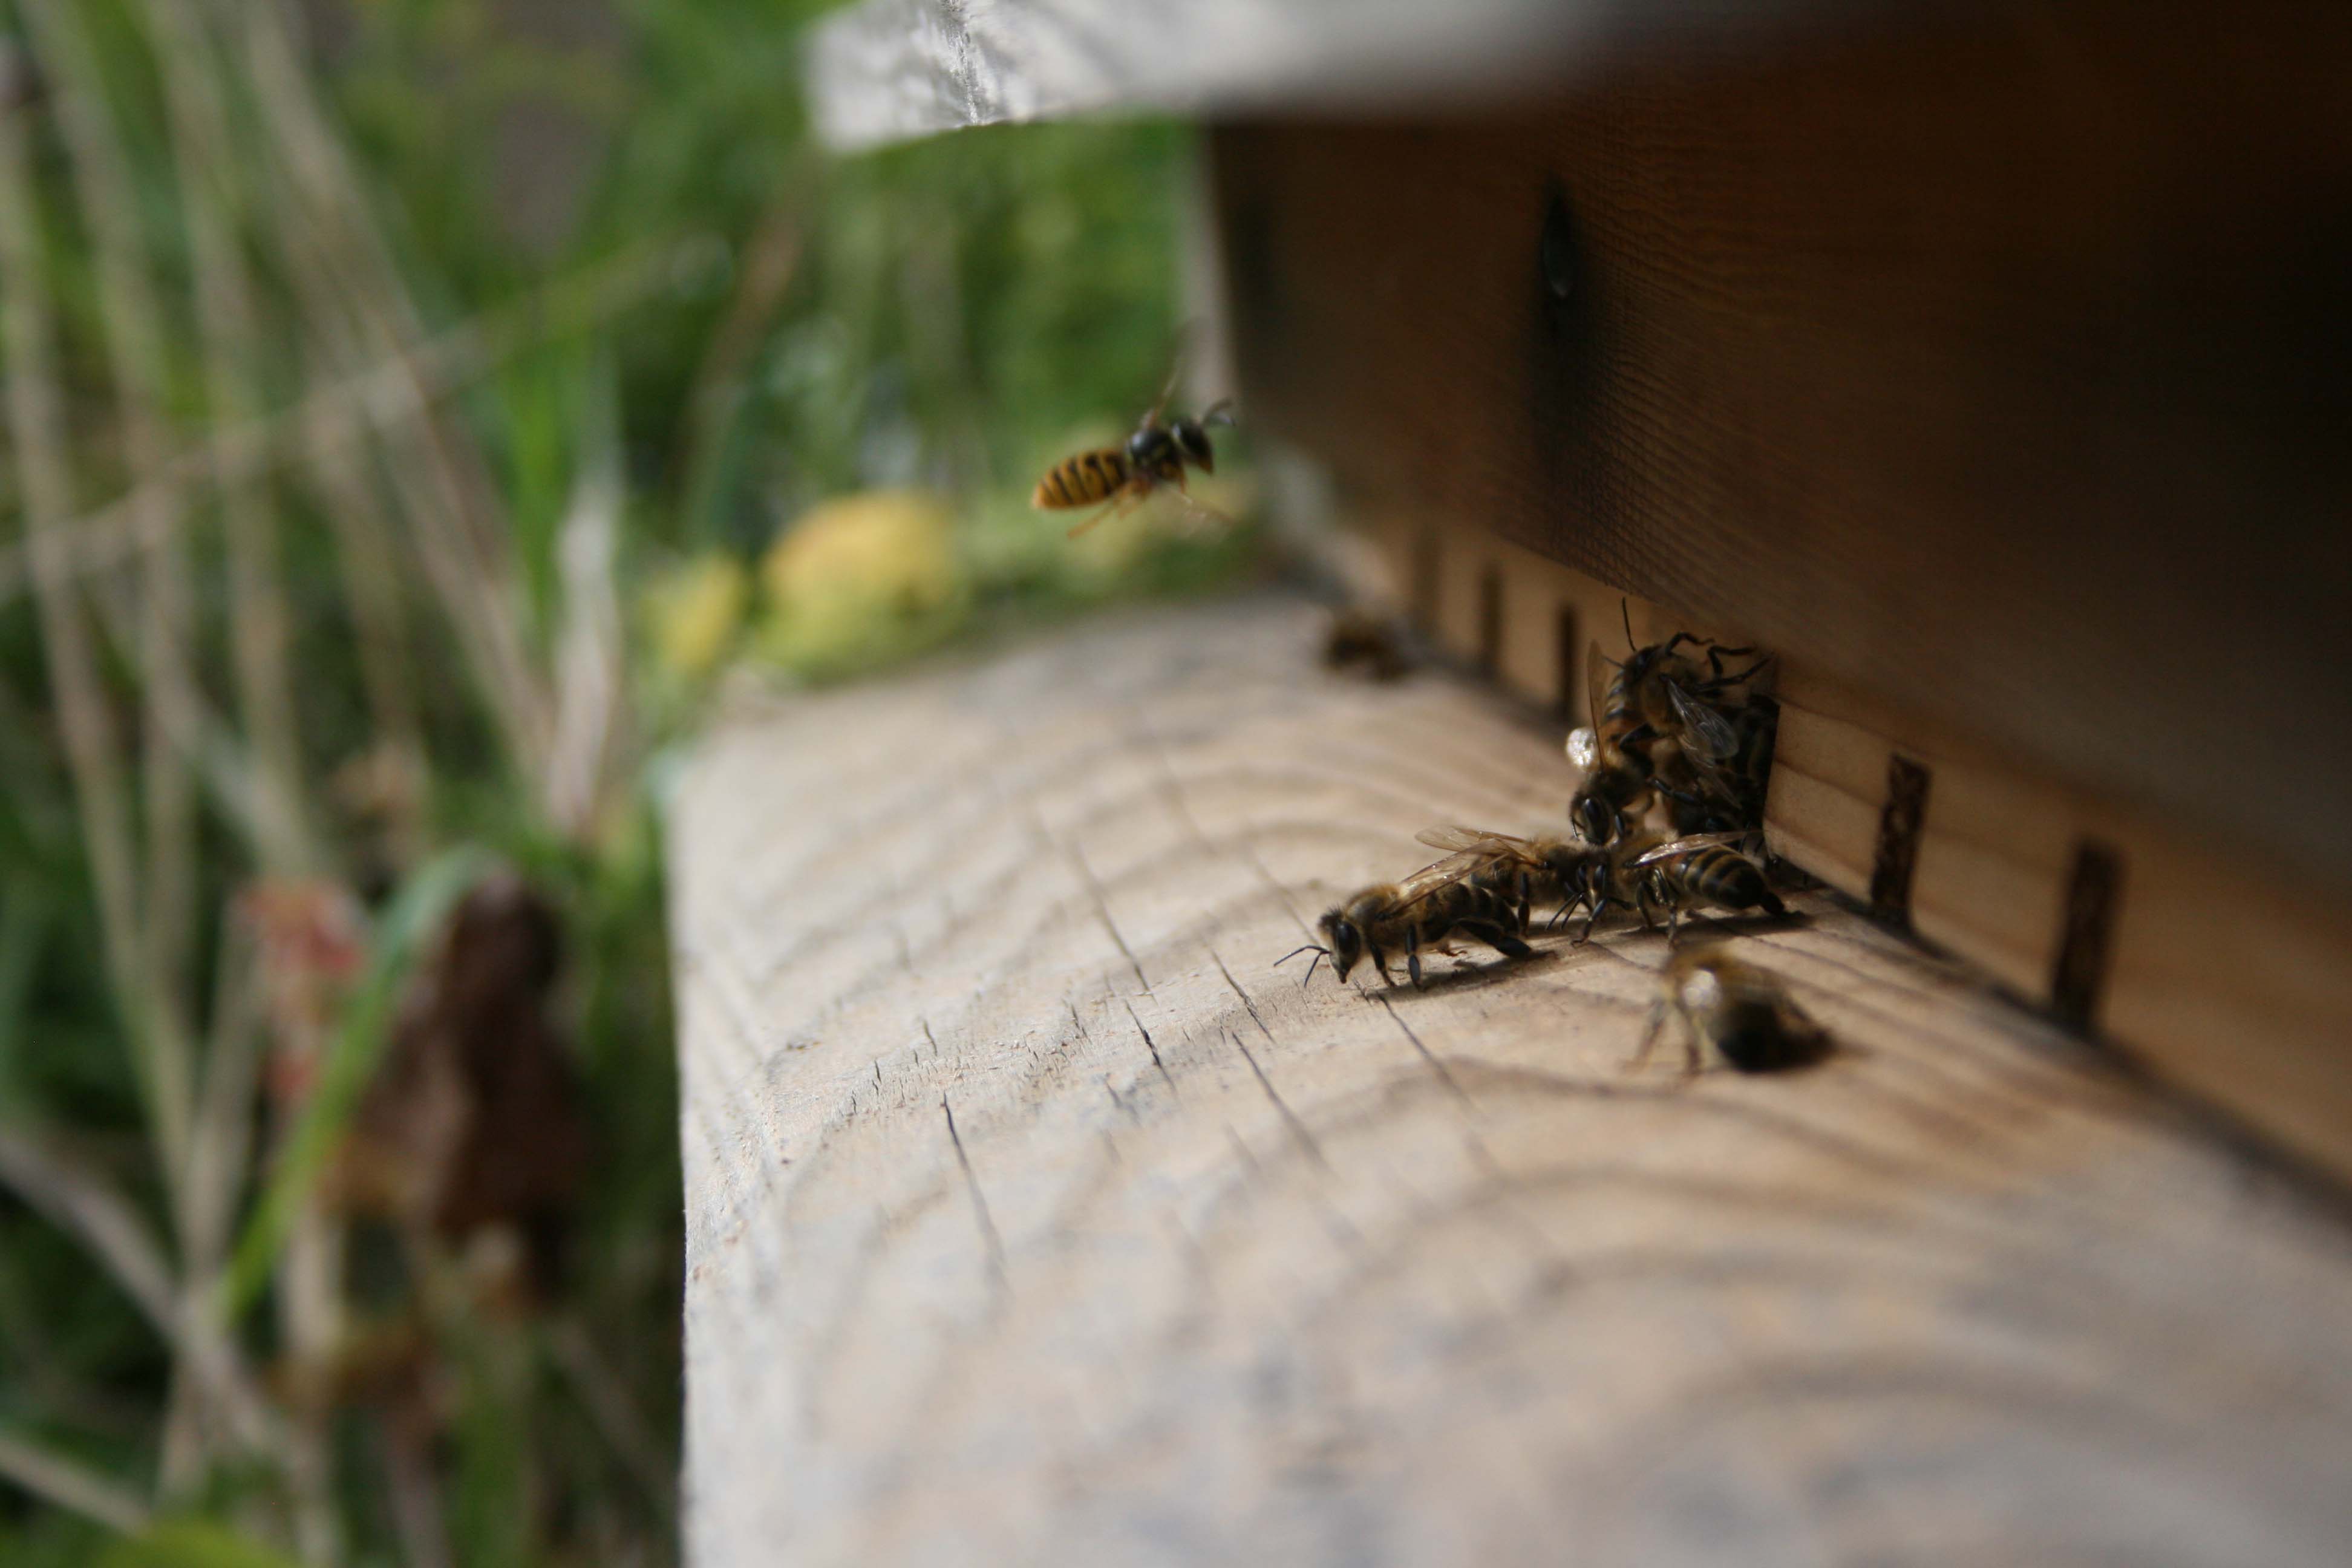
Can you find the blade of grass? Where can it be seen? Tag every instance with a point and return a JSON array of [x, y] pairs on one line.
[[400, 939], [450, 499], [132, 328], [62, 1482], [229, 324], [340, 411], [93, 750]]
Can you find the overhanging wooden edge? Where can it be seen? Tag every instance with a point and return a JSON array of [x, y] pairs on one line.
[[889, 70]]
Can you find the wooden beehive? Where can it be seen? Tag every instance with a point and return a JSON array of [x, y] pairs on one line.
[[1984, 365]]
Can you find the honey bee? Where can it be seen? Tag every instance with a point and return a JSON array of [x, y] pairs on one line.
[[1366, 644], [1704, 797], [1702, 870], [1525, 872], [1415, 914], [1741, 1011], [1551, 870], [1656, 694], [1154, 457]]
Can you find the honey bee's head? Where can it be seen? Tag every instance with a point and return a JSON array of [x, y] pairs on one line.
[[1347, 939], [1595, 815]]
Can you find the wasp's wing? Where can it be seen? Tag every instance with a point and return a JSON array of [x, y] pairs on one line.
[[1175, 372], [1473, 840], [1706, 732], [1680, 846]]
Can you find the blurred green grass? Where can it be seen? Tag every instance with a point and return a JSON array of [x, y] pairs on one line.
[[487, 626]]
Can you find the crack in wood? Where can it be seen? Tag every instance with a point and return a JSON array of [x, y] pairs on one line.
[[1154, 1049], [1428, 1055], [1298, 1129], [994, 1243], [1245, 995]]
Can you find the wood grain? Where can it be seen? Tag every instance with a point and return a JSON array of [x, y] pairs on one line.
[[1990, 367], [1210, 1267]]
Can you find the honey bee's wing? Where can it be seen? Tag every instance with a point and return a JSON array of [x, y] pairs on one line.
[[1706, 732], [1682, 846], [1440, 874], [1474, 841]]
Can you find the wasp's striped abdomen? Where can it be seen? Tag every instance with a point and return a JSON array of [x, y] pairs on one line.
[[1086, 479]]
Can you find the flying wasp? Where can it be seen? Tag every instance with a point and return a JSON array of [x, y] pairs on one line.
[[1741, 1013], [1415, 914], [1117, 478]]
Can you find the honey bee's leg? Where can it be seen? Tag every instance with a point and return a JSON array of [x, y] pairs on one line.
[[1527, 901], [1692, 1056], [1412, 956], [1657, 1021], [1501, 940], [1593, 919]]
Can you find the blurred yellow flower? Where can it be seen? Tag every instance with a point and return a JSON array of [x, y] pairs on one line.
[[858, 574], [691, 613]]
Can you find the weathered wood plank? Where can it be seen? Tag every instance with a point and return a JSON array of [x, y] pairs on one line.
[[1214, 1268], [890, 69]]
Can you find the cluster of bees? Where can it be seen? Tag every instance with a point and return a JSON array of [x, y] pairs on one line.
[[1678, 733], [1682, 735]]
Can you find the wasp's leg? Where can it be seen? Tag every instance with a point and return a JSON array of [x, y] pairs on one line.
[[1124, 501]]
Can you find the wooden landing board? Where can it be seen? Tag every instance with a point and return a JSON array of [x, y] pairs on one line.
[[1207, 1268]]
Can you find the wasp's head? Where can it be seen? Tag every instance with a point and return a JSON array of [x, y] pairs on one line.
[[1347, 939], [1192, 441]]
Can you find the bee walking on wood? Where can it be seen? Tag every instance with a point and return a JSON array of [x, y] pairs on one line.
[[1703, 869], [1544, 869], [1739, 1012], [1417, 913], [1361, 642], [1154, 457]]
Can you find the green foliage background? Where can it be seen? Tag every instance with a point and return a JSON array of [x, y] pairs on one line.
[[954, 311]]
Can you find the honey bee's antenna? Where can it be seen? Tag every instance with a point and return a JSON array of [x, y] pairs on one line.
[[1626, 610], [1320, 953]]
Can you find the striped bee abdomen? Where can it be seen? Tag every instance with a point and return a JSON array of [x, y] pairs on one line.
[[1083, 480]]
